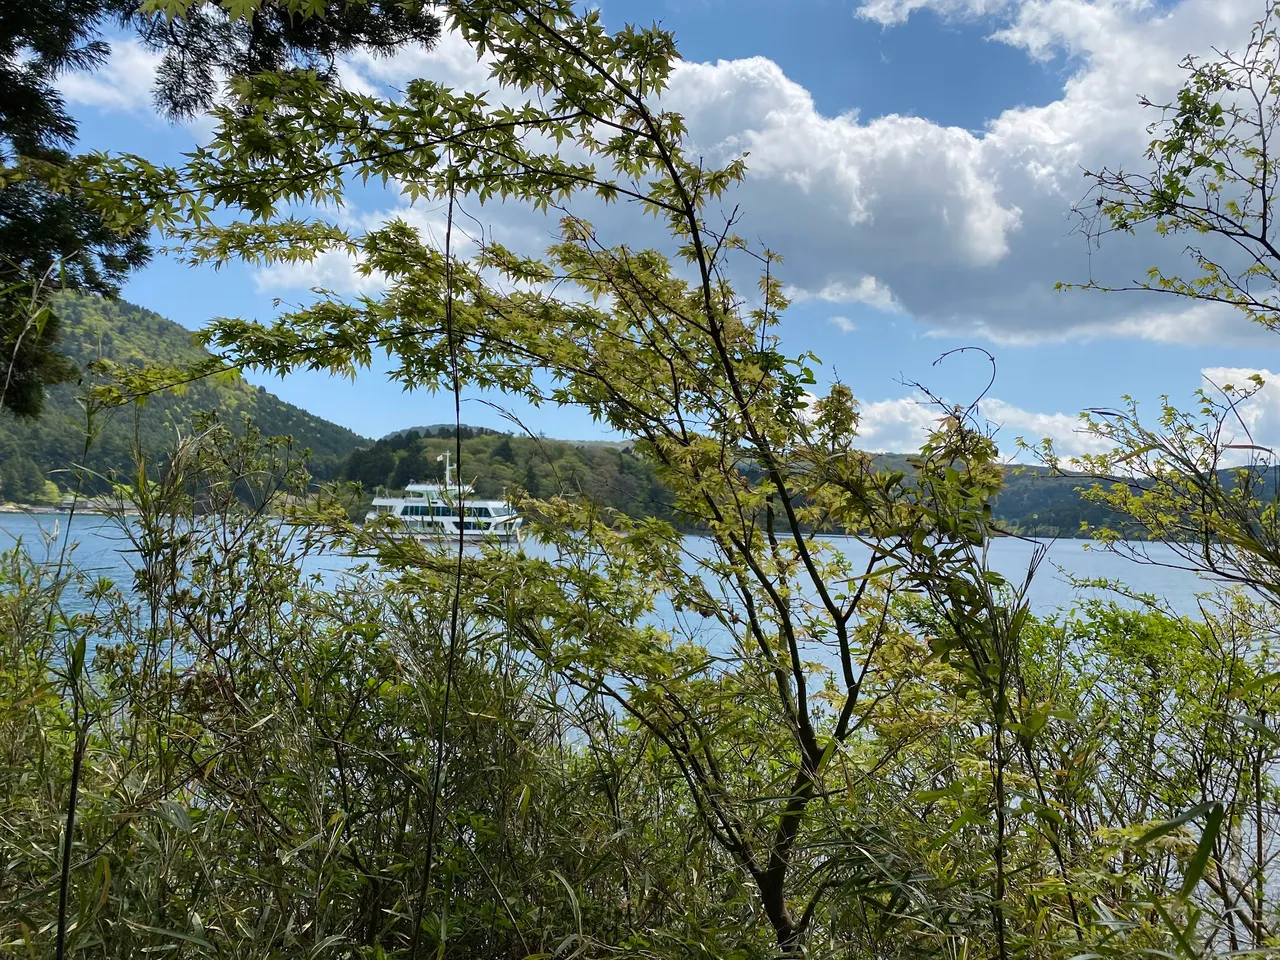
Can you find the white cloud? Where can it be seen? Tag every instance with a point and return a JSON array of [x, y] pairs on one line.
[[898, 191], [866, 290], [450, 61], [1194, 323], [896, 426], [901, 425], [124, 82], [339, 271], [892, 12], [967, 231], [332, 270], [1257, 419], [843, 324], [970, 230], [1013, 423]]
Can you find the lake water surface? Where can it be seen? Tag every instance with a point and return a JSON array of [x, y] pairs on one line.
[[98, 551]]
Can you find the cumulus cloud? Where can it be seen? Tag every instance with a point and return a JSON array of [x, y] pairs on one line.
[[969, 230], [452, 60], [1013, 423], [1194, 323], [124, 82], [827, 185], [966, 231], [332, 270], [896, 426], [866, 290], [902, 424], [843, 324], [340, 272]]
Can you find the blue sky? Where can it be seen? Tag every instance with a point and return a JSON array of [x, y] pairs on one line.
[[914, 160]]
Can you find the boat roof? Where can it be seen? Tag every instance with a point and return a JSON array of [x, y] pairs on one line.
[[412, 487], [438, 490]]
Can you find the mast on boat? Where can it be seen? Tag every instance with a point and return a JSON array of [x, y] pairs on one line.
[[448, 469]]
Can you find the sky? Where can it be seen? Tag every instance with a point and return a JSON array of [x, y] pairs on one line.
[[914, 161]]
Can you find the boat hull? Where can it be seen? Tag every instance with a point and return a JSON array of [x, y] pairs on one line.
[[428, 511], [468, 536]]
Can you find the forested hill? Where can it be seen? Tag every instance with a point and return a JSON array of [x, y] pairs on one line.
[[35, 453], [1032, 502], [496, 462]]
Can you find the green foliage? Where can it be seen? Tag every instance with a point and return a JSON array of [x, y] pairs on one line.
[[1198, 479], [1212, 178], [1186, 483], [212, 38], [46, 235], [751, 747], [50, 228], [53, 448], [42, 231], [1140, 765], [778, 738], [255, 751], [29, 340]]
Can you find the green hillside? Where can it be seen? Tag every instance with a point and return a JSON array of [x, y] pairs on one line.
[[34, 453], [1032, 502], [1036, 503]]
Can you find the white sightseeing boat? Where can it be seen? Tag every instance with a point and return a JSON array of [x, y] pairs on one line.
[[431, 510]]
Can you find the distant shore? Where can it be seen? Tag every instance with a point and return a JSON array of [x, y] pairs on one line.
[[29, 508], [43, 509]]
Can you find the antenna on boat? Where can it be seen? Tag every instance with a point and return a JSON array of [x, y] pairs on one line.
[[447, 468]]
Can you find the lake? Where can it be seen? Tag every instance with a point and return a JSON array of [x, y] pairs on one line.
[[98, 552]]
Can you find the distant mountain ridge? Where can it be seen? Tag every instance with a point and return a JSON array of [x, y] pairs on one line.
[[1032, 502], [434, 429], [35, 454], [469, 430]]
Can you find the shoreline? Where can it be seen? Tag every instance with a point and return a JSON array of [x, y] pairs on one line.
[[93, 510], [44, 510]]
